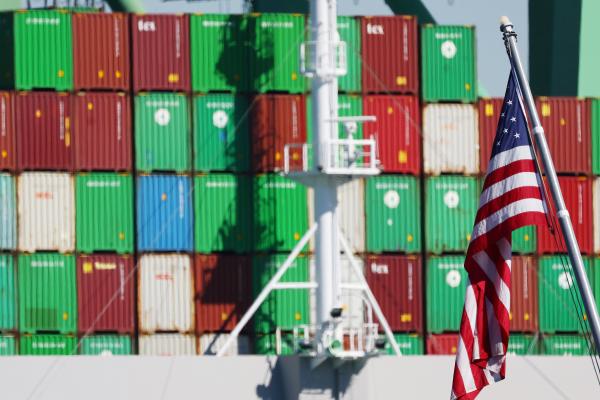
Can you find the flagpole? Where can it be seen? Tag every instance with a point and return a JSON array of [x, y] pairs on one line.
[[510, 38]]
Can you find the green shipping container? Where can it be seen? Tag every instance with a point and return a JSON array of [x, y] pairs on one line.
[[349, 105], [557, 292], [47, 293], [284, 308], [409, 344], [273, 344], [102, 345], [446, 285], [37, 50], [448, 61], [280, 213], [162, 132], [274, 59], [48, 345], [393, 214], [349, 30], [223, 219], [104, 212], [524, 240], [8, 298], [595, 108], [450, 208], [8, 345], [221, 135], [523, 345], [565, 345], [219, 50]]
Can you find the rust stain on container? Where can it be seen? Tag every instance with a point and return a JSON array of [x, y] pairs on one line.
[[489, 113], [443, 344], [45, 139], [390, 54], [161, 56], [101, 51], [524, 295], [223, 291], [277, 120], [8, 159], [103, 128], [105, 293]]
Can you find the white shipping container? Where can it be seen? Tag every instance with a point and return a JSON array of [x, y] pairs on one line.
[[167, 344], [166, 290], [211, 343], [450, 139], [596, 207], [46, 204]]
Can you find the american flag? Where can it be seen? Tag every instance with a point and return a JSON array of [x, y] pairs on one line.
[[512, 197]]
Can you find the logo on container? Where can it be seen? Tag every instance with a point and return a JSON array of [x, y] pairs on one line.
[[375, 29], [565, 281], [164, 277], [448, 49], [220, 119], [379, 268], [453, 278], [391, 199], [451, 199], [162, 116], [42, 21], [146, 26]]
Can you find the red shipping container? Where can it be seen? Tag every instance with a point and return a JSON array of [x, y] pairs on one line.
[[567, 124], [103, 126], [223, 291], [390, 54], [277, 120], [8, 159], [577, 192], [105, 293], [397, 131], [43, 123], [524, 295], [101, 51], [396, 282], [444, 344], [489, 114], [161, 56]]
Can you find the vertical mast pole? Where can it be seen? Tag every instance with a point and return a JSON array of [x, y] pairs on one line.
[[561, 210]]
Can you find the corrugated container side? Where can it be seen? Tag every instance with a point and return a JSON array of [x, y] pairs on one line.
[[105, 295], [46, 209], [565, 345], [451, 203], [47, 293], [8, 345], [160, 52], [410, 344], [223, 288], [7, 66], [488, 112], [596, 213], [219, 52], [566, 122], [577, 193], [397, 282], [8, 294], [167, 344], [278, 343], [105, 345], [8, 212], [448, 63], [595, 131], [101, 51], [166, 299], [524, 295], [349, 31], [450, 139], [162, 132], [104, 211], [211, 343], [43, 122], [446, 284], [390, 71], [523, 345], [8, 154], [164, 213], [444, 344], [47, 345], [103, 128], [221, 135], [397, 131]]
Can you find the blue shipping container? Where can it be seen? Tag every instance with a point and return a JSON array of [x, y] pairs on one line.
[[8, 213], [8, 305], [164, 213]]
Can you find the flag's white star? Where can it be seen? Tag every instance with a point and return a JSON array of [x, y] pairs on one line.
[[509, 102], [505, 130], [498, 143], [502, 115], [517, 136], [514, 119]]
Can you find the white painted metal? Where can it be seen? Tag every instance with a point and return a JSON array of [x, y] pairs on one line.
[[167, 344], [596, 223], [46, 208], [211, 343], [166, 293], [450, 139]]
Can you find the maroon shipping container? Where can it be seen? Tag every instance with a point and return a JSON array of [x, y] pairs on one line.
[[390, 54], [489, 113], [396, 282], [223, 291], [397, 130], [566, 122], [105, 293], [101, 51], [161, 56], [43, 123], [277, 120], [524, 295], [8, 159], [103, 127], [444, 344], [577, 192]]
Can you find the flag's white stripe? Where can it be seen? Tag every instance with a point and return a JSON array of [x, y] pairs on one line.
[[509, 156], [489, 269], [471, 307], [505, 250], [511, 210], [519, 180], [464, 366], [494, 331]]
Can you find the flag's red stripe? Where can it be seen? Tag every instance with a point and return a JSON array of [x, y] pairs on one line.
[[504, 172], [521, 193]]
